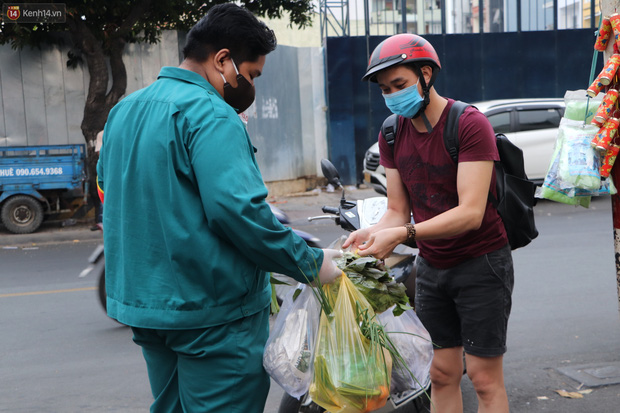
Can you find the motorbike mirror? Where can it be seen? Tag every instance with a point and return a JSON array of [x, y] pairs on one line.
[[331, 173]]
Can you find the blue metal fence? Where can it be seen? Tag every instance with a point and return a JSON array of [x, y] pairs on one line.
[[475, 67]]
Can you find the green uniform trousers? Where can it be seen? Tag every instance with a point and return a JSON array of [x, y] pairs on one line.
[[216, 369]]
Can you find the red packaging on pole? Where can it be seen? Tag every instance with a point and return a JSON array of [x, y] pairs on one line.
[[604, 34], [596, 123], [614, 19], [606, 134], [595, 87], [609, 159], [610, 69], [607, 106]]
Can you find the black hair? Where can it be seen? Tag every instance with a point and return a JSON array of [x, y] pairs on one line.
[[417, 66], [229, 26]]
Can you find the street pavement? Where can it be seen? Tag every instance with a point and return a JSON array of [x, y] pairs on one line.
[[50, 232], [536, 361], [297, 206]]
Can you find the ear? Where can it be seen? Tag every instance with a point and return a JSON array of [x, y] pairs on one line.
[[427, 72], [219, 58]]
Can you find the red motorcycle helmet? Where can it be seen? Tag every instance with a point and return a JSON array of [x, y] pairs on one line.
[[409, 49], [400, 49]]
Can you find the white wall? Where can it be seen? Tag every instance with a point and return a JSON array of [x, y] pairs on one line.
[[42, 101]]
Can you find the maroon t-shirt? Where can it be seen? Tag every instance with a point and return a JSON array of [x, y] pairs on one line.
[[429, 174]]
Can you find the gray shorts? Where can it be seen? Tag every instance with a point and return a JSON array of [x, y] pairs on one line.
[[469, 304]]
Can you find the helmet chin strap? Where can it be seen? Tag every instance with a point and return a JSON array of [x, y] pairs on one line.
[[427, 98], [429, 128], [427, 124]]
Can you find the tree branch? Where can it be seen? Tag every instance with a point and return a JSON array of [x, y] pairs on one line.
[[116, 47], [91, 48], [119, 74], [136, 13]]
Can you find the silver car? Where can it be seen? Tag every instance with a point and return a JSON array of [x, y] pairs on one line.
[[531, 124]]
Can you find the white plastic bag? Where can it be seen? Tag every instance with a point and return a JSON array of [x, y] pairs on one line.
[[579, 162], [414, 344], [574, 167], [289, 352], [581, 107]]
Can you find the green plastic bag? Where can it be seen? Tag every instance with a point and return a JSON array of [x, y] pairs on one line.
[[351, 375], [573, 176], [579, 107]]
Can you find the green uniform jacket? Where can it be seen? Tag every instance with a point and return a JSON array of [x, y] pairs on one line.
[[188, 235]]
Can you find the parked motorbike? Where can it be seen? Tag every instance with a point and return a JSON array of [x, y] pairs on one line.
[[96, 264], [96, 260], [364, 213], [352, 216]]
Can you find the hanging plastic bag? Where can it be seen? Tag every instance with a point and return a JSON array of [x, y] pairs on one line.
[[579, 106], [579, 162], [414, 344], [289, 352], [574, 165], [351, 372], [552, 188]]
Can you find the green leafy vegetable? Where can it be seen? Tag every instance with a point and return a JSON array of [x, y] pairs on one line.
[[372, 279], [275, 307]]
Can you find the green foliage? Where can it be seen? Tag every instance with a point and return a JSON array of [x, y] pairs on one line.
[[372, 279], [139, 21], [97, 31]]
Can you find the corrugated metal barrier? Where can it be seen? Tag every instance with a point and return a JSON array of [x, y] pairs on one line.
[[42, 101]]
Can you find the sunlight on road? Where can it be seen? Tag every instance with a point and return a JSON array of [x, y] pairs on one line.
[[70, 290]]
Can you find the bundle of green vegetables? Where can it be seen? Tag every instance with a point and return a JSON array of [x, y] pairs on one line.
[[351, 368], [370, 276], [354, 355]]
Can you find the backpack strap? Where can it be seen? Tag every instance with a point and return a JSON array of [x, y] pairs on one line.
[[451, 129], [389, 129], [451, 137]]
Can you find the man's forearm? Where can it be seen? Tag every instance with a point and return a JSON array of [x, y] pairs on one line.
[[390, 219]]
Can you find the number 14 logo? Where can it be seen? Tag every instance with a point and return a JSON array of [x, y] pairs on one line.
[[13, 12]]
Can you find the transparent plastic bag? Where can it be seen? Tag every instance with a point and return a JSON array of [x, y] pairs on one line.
[[581, 107], [579, 162], [351, 375], [573, 176], [553, 188], [289, 352], [414, 344]]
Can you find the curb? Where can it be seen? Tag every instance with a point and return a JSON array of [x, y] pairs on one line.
[[50, 235], [298, 207]]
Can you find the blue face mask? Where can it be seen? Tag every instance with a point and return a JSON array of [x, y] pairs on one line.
[[406, 102]]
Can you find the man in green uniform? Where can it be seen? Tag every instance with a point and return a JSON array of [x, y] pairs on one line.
[[188, 234]]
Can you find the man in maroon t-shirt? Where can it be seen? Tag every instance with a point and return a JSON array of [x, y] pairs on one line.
[[464, 268]]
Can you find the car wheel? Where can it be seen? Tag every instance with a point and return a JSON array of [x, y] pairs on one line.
[[101, 289], [422, 404], [22, 214], [289, 404]]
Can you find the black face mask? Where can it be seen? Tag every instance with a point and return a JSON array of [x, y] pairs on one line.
[[240, 97]]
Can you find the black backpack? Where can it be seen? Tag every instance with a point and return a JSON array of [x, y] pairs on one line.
[[515, 192]]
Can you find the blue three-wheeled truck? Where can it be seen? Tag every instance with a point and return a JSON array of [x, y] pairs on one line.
[[37, 181]]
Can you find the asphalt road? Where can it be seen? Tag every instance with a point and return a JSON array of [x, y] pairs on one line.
[[60, 353], [565, 313]]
